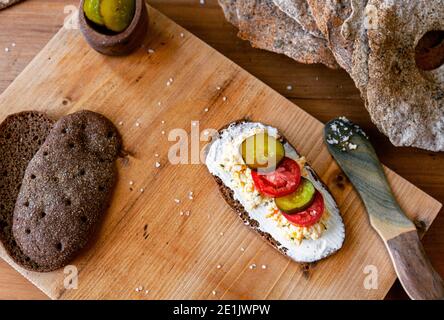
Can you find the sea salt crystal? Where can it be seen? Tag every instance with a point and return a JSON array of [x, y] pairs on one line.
[[332, 141], [157, 164], [253, 266], [352, 146], [150, 51], [289, 87]]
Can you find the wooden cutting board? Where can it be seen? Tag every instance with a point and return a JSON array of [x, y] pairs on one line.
[[144, 242]]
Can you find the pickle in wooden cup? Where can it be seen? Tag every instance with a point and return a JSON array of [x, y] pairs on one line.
[[117, 14], [92, 11]]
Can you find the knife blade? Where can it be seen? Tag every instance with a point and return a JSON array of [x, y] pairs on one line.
[[352, 150]]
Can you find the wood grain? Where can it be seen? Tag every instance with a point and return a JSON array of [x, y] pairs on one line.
[[179, 256], [414, 269], [321, 92]]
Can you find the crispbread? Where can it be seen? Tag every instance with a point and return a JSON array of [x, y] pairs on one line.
[[66, 189], [230, 11], [267, 27], [330, 15], [21, 135], [405, 105], [301, 12]]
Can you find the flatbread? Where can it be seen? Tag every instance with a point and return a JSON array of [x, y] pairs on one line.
[[300, 11], [267, 27], [354, 30], [330, 15], [66, 189], [230, 11], [405, 105]]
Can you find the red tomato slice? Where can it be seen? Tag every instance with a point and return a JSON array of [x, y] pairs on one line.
[[281, 182], [309, 216]]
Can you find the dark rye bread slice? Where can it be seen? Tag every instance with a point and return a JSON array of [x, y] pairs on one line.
[[66, 189], [21, 135], [237, 207]]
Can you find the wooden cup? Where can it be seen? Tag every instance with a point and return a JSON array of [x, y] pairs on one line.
[[118, 44]]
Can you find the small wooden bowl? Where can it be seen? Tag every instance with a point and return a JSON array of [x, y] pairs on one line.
[[118, 44]]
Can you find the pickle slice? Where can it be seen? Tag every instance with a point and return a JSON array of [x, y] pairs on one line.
[[299, 200], [117, 14], [262, 151], [92, 11]]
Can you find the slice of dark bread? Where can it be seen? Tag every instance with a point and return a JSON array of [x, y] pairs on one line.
[[21, 135], [66, 189], [237, 207]]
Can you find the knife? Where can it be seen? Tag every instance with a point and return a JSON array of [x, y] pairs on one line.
[[356, 156]]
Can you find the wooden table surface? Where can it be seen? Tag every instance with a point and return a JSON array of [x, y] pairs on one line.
[[324, 93]]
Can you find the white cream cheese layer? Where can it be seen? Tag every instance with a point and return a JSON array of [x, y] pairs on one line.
[[302, 244]]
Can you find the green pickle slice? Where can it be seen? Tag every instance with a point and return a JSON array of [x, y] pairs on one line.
[[92, 11], [299, 200], [117, 14], [262, 151]]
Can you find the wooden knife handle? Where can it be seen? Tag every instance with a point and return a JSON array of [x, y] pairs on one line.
[[414, 270]]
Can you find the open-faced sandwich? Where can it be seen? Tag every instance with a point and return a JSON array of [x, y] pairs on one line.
[[264, 179]]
